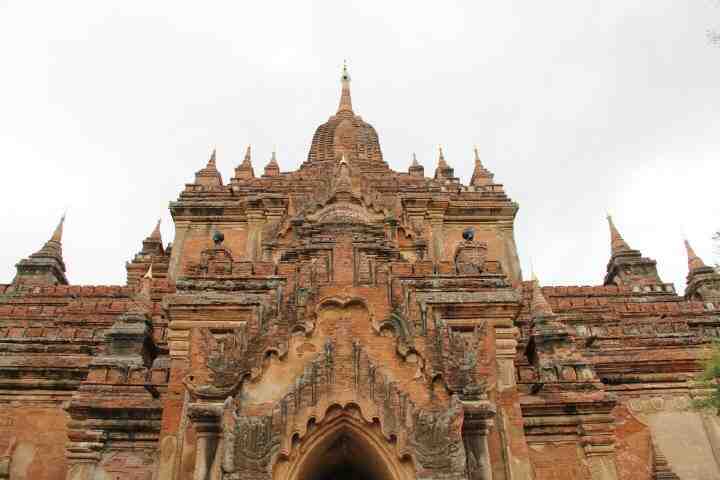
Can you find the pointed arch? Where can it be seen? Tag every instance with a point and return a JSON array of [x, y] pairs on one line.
[[344, 443]]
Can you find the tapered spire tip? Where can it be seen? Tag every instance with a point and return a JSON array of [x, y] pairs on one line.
[[617, 242], [57, 234], [156, 231], [694, 262], [345, 99]]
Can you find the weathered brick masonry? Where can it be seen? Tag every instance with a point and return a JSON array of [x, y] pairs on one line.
[[348, 321]]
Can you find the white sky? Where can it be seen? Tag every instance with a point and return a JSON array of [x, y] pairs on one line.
[[579, 107]]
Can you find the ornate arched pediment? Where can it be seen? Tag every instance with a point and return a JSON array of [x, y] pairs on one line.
[[432, 438]]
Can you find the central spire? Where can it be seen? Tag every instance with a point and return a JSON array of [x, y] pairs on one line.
[[345, 100]]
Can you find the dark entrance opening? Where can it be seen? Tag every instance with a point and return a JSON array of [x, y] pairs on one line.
[[345, 459], [345, 472]]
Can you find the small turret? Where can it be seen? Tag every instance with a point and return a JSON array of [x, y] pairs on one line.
[[272, 169], [245, 171], [209, 176], [46, 266], [443, 170], [539, 306], [627, 266], [153, 244], [415, 169], [481, 176], [153, 258], [703, 282]]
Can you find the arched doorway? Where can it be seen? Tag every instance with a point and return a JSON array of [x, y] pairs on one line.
[[344, 456], [344, 447]]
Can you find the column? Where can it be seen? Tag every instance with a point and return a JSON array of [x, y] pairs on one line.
[[206, 419], [478, 419]]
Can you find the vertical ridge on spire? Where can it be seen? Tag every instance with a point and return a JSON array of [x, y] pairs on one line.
[[703, 281], [345, 99], [694, 262], [617, 243]]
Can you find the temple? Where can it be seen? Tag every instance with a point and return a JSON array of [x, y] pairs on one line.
[[347, 321]]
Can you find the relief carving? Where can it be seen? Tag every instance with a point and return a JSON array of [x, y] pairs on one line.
[[470, 254], [436, 438]]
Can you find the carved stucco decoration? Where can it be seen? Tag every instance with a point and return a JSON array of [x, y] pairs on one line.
[[344, 212], [470, 254], [432, 438], [436, 438], [658, 403], [231, 357]]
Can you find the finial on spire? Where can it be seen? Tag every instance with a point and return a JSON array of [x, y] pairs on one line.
[[345, 100], [477, 155], [694, 262], [247, 158], [211, 162], [57, 234], [617, 243]]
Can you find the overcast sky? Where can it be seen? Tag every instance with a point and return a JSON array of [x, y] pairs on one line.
[[579, 107]]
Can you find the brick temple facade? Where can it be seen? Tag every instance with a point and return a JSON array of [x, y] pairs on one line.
[[346, 321]]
